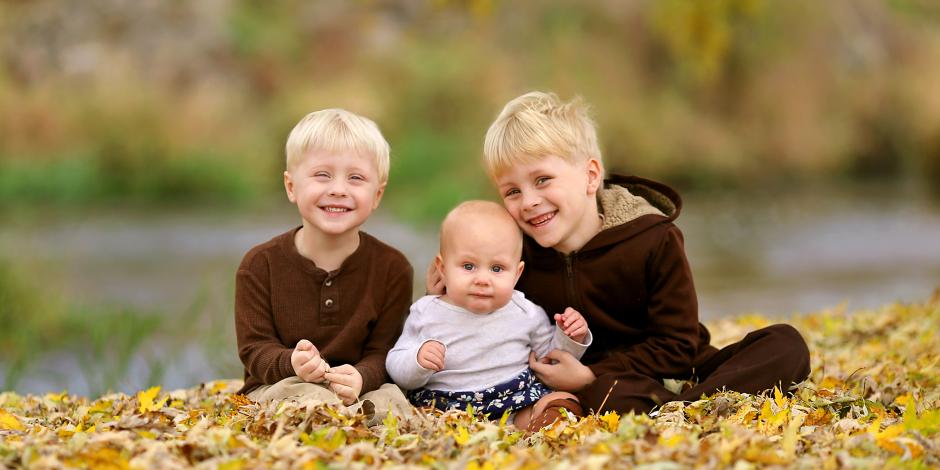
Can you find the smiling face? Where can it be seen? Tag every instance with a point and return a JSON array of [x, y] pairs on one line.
[[553, 200], [335, 191], [480, 259]]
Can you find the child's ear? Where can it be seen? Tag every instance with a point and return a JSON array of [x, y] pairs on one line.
[[378, 195], [519, 272], [594, 176], [289, 186]]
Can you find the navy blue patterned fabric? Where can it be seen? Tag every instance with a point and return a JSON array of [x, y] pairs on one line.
[[516, 394]]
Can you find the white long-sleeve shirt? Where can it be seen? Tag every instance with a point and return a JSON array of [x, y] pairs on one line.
[[481, 350]]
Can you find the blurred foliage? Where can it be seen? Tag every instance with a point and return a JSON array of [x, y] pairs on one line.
[[39, 328], [188, 102]]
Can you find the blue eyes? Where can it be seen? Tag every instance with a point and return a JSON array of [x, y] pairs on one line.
[[471, 267]]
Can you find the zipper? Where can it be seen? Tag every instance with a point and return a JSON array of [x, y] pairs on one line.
[[569, 283]]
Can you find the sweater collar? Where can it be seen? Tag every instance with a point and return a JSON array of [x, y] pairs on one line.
[[352, 263]]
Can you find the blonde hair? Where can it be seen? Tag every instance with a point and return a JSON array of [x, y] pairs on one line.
[[334, 130], [479, 214], [536, 125]]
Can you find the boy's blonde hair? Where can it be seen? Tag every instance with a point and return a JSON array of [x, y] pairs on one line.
[[536, 125], [335, 130]]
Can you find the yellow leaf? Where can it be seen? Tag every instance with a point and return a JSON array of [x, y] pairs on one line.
[[779, 399], [234, 464], [57, 397], [612, 420], [461, 437], [217, 388], [503, 420], [671, 441], [145, 398], [9, 422]]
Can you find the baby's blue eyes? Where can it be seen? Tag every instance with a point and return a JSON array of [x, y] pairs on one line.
[[471, 267]]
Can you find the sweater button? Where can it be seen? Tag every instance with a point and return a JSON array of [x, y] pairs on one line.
[[328, 303], [328, 283]]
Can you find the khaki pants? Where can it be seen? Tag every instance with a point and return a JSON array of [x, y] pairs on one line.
[[375, 404]]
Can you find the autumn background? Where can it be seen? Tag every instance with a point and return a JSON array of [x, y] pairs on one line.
[[141, 151]]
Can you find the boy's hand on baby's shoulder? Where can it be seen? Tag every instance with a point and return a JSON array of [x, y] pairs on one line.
[[307, 363], [573, 324], [431, 356]]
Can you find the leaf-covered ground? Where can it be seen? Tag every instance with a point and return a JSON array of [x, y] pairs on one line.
[[873, 400]]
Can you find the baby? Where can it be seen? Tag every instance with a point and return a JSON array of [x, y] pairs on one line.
[[472, 344]]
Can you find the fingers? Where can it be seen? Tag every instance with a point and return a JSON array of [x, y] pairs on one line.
[[578, 332], [431, 356], [344, 392], [344, 374], [535, 364], [305, 345], [433, 281], [313, 370], [575, 326]]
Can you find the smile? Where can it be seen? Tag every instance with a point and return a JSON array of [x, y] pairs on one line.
[[335, 209], [542, 219]]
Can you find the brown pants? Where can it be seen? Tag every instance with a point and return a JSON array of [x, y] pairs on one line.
[[773, 356], [375, 404]]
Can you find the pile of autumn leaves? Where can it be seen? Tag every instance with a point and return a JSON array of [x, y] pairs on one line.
[[873, 400]]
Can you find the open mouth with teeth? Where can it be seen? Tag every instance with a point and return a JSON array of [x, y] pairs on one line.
[[542, 219], [335, 209]]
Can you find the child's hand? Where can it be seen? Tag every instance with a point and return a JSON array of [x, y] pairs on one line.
[[433, 281], [572, 324], [307, 363], [431, 356], [346, 383]]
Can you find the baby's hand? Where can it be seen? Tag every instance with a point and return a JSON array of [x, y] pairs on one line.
[[572, 324], [431, 356], [307, 363]]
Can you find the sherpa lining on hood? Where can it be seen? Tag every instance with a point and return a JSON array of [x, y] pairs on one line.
[[619, 206]]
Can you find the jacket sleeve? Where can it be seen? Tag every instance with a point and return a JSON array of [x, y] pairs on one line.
[[259, 347], [545, 336], [387, 328], [672, 334], [402, 360]]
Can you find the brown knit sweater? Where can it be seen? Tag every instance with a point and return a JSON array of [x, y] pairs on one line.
[[353, 315]]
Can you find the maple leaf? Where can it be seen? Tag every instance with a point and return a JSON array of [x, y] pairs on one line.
[[145, 399]]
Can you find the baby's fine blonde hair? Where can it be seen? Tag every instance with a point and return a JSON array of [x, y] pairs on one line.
[[335, 130], [488, 215], [536, 125]]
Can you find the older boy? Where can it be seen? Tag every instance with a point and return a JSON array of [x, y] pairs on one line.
[[324, 292], [471, 345], [614, 255]]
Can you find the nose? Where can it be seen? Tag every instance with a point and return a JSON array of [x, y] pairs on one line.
[[530, 199], [482, 278], [337, 188]]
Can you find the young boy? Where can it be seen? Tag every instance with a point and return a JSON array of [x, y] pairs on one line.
[[613, 254], [472, 344], [318, 307]]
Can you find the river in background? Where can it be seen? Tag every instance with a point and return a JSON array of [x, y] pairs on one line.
[[776, 254]]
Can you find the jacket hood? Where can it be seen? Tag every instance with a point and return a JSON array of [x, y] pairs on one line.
[[630, 205]]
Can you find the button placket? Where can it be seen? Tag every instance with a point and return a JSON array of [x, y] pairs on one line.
[[330, 296]]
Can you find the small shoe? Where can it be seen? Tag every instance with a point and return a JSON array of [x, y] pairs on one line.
[[552, 412]]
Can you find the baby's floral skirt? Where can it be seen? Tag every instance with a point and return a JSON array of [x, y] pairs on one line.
[[522, 391]]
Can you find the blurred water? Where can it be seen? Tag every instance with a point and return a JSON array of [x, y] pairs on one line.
[[775, 253]]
